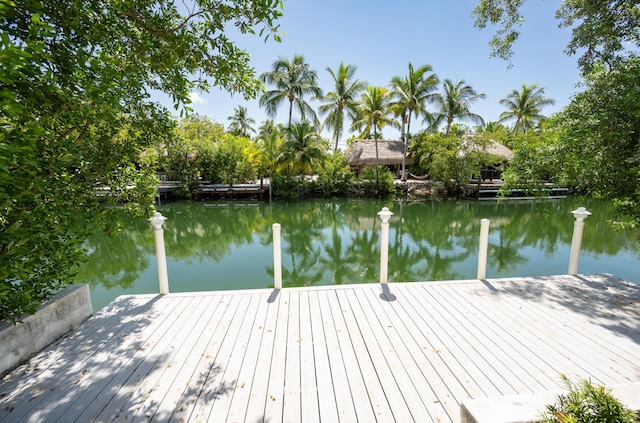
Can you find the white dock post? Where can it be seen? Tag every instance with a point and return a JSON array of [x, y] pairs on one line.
[[157, 220], [482, 251], [277, 257], [580, 214], [384, 214]]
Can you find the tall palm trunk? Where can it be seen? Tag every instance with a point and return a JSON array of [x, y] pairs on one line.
[[290, 115], [375, 139], [405, 140], [340, 119]]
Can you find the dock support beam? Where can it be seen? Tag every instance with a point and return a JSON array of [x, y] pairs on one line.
[[157, 220], [580, 214], [482, 251], [384, 214], [277, 257]]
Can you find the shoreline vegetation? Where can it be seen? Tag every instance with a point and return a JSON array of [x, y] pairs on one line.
[[77, 115]]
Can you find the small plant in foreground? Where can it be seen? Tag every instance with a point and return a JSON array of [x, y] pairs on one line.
[[586, 403]]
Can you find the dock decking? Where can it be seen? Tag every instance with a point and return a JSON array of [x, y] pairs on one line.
[[408, 352]]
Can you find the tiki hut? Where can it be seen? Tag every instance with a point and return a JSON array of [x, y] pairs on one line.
[[362, 153], [491, 147], [490, 171]]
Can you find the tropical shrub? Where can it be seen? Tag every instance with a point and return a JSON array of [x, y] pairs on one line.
[[587, 403], [377, 181], [336, 177], [288, 186]]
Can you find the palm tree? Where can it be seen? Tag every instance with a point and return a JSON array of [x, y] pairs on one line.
[[303, 150], [268, 143], [374, 111], [241, 123], [455, 103], [346, 90], [491, 126], [524, 106], [411, 93], [291, 81]]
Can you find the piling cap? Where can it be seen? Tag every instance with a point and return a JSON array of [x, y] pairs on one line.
[[581, 214], [157, 220], [385, 214]]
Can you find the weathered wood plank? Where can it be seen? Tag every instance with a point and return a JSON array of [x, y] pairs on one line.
[[350, 339], [155, 387], [231, 362], [196, 384], [292, 408], [258, 396], [308, 382], [332, 326], [194, 360], [384, 393], [275, 392], [560, 332], [248, 365], [429, 363], [215, 383]]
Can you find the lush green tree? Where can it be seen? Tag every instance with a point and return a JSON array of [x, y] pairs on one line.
[[600, 134], [524, 106], [374, 112], [441, 157], [303, 152], [593, 145], [602, 31], [343, 98], [410, 94], [290, 81], [178, 157], [269, 143], [241, 122], [77, 116], [455, 103]]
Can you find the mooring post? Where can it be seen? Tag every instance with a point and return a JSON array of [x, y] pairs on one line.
[[277, 257], [157, 220], [482, 251], [578, 227], [384, 214]]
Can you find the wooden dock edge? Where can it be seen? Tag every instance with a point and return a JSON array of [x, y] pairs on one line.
[[528, 408]]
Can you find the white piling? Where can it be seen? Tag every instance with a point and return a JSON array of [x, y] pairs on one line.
[[157, 220], [384, 214], [277, 257], [482, 251], [578, 227]]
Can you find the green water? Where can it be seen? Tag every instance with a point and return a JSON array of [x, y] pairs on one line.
[[218, 246]]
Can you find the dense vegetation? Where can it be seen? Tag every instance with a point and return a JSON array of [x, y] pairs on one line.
[[79, 129], [76, 116]]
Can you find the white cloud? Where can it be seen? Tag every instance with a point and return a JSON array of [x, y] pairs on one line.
[[197, 98]]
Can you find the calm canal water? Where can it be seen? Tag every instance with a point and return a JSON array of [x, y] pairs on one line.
[[219, 246]]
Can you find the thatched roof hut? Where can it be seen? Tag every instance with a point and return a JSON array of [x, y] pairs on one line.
[[363, 153], [490, 146]]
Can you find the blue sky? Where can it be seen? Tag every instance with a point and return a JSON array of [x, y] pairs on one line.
[[380, 37]]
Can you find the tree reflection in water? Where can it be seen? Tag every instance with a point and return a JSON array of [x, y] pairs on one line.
[[212, 246]]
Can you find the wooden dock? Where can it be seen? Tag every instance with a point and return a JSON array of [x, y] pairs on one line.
[[408, 352], [209, 191], [488, 190]]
